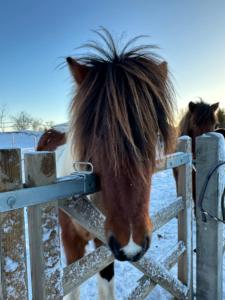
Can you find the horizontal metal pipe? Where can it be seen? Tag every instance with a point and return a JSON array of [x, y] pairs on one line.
[[63, 188]]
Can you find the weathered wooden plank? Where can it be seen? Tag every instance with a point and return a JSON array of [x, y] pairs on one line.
[[12, 236], [86, 267], [92, 220], [210, 150], [184, 189], [63, 188], [46, 272], [146, 285], [172, 161], [164, 215]]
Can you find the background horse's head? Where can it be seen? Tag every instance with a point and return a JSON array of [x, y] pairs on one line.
[[122, 103], [51, 139], [200, 118]]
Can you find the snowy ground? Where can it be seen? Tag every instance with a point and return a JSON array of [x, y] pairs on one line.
[[126, 276]]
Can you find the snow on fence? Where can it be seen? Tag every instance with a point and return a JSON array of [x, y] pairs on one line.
[[43, 193]]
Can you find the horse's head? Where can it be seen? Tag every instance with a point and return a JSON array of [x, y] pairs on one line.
[[122, 104], [50, 140], [202, 117]]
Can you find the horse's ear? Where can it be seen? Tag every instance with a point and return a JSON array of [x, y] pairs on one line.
[[78, 71], [215, 106], [164, 69], [191, 106]]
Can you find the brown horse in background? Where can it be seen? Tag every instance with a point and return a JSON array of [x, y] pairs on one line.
[[199, 119], [123, 102], [50, 140]]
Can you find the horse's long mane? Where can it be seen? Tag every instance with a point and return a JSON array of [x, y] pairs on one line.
[[203, 115], [121, 107]]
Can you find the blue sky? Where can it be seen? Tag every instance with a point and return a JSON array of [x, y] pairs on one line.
[[35, 36]]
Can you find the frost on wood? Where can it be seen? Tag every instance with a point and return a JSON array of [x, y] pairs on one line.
[[43, 222], [163, 216], [83, 269], [13, 256], [51, 252], [160, 275], [12, 239], [90, 218], [145, 284], [13, 249]]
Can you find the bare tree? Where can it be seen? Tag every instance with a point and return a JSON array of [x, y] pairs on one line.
[[37, 125], [49, 124], [22, 121], [3, 115]]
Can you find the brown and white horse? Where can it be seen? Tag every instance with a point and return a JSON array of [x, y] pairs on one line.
[[199, 119], [123, 101], [50, 140]]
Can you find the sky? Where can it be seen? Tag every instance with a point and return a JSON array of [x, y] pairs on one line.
[[36, 36]]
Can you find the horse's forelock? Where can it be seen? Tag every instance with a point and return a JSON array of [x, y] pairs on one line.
[[120, 108], [202, 115]]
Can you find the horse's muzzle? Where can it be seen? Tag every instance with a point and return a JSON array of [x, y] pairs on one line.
[[121, 255]]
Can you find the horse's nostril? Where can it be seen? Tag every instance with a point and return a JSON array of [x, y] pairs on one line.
[[114, 245], [147, 242]]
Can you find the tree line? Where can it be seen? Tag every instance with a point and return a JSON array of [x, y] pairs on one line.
[[21, 121]]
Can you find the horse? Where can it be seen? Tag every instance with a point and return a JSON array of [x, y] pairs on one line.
[[123, 102], [199, 119], [50, 140]]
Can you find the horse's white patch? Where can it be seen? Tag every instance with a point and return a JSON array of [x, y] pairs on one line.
[[75, 295], [131, 249], [105, 288], [64, 159]]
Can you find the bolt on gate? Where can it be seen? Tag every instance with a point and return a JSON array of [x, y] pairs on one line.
[[42, 194]]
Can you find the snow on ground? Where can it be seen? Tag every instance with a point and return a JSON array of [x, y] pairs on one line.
[[126, 276]]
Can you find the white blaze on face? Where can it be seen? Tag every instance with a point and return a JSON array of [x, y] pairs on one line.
[[131, 249]]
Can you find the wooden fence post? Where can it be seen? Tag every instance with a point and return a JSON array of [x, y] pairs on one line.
[[12, 237], [46, 271], [210, 150], [184, 189]]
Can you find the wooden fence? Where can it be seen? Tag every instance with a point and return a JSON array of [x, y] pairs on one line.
[[42, 194], [210, 158]]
